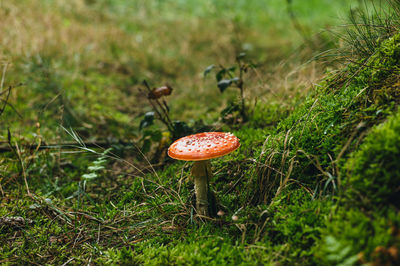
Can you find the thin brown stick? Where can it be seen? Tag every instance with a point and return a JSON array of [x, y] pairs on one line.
[[64, 145], [21, 160]]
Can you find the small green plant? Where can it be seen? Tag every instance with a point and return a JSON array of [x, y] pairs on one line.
[[150, 132], [93, 170], [93, 173], [96, 166], [233, 76]]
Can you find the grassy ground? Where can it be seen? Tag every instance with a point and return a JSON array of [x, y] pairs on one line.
[[315, 180]]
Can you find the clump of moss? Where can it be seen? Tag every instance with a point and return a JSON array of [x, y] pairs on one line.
[[294, 221], [352, 236], [374, 171]]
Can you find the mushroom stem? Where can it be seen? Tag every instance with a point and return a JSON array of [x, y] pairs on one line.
[[201, 173]]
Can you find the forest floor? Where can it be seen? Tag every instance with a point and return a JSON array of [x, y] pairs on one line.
[[311, 94]]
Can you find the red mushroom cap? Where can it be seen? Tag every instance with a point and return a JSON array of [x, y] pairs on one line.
[[203, 146]]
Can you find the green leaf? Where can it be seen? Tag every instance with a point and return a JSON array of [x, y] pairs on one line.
[[99, 162], [231, 69], [220, 74], [208, 70], [95, 168], [350, 261], [235, 79], [241, 56], [89, 176], [156, 135], [224, 84], [146, 146], [147, 120], [181, 129]]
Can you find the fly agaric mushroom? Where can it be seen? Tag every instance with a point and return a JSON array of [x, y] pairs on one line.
[[200, 148]]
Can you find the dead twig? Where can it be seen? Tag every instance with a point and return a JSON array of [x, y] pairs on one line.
[[66, 145]]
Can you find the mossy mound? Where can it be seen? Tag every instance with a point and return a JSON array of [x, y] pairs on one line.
[[374, 169], [353, 236], [310, 144]]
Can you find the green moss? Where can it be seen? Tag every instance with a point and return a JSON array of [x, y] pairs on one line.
[[373, 170], [293, 221], [353, 236], [309, 141]]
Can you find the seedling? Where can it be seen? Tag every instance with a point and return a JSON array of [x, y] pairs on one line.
[[176, 128], [233, 76]]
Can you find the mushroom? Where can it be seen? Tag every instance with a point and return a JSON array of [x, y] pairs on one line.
[[200, 148]]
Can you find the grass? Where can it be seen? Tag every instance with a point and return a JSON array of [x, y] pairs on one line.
[[92, 70], [313, 183]]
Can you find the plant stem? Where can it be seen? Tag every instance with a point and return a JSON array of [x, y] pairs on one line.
[[164, 118], [201, 173], [241, 87]]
